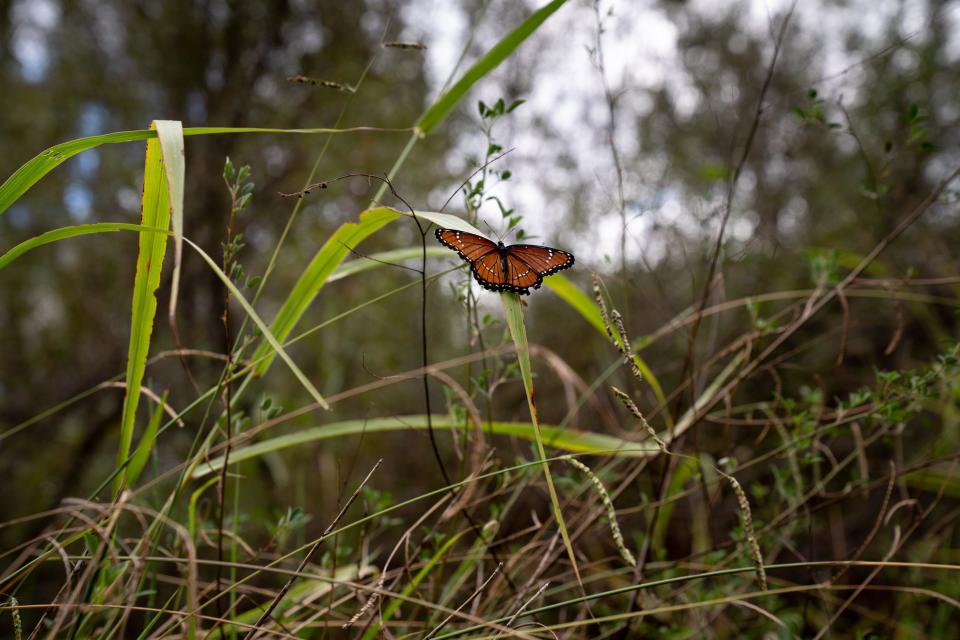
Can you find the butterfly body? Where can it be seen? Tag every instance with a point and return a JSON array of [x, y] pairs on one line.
[[499, 267]]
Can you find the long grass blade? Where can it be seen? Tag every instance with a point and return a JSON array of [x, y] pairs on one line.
[[155, 213], [328, 259], [170, 135], [490, 61], [267, 334], [569, 440], [46, 161], [65, 233], [315, 276], [518, 331]]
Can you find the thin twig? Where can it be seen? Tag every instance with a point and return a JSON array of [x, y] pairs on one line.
[[306, 559], [728, 201]]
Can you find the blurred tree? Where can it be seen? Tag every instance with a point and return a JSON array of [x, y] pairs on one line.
[[81, 68]]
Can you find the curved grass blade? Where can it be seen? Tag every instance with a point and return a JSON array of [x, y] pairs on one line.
[[65, 233], [328, 258], [43, 163], [586, 307], [315, 276], [170, 135], [267, 335], [568, 440], [490, 60]]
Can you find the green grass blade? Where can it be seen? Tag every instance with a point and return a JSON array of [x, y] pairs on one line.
[[500, 52], [569, 440], [46, 161], [376, 260], [315, 276], [682, 473], [143, 450], [328, 259], [518, 331], [65, 233], [267, 335], [576, 298], [156, 214], [586, 307]]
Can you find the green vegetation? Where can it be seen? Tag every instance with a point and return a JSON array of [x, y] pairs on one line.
[[737, 416]]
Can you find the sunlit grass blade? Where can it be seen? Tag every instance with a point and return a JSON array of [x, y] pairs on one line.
[[155, 213], [270, 339], [315, 276], [569, 440], [514, 314]]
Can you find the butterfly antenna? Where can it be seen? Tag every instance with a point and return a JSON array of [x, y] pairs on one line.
[[494, 231]]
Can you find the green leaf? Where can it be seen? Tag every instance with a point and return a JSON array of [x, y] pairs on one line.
[[442, 107], [569, 440], [43, 163], [170, 135], [65, 233], [155, 213], [329, 257], [143, 450], [315, 276]]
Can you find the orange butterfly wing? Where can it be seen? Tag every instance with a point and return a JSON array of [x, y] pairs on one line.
[[521, 276], [543, 260], [520, 268], [468, 246], [488, 271]]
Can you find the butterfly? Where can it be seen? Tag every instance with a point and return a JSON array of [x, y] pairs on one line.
[[498, 267]]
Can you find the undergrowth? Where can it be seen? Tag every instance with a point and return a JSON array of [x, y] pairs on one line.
[[719, 504]]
